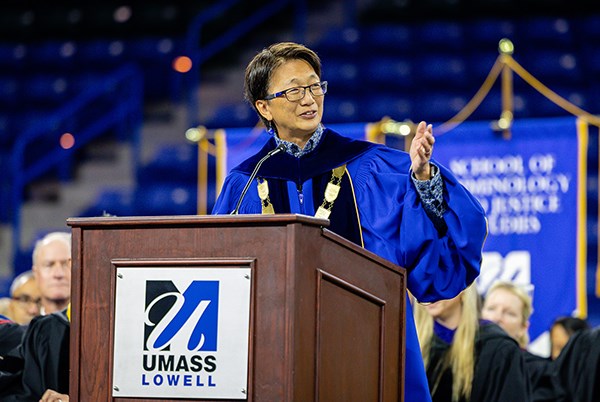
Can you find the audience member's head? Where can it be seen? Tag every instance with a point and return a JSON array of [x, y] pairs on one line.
[[52, 270], [509, 306], [561, 330], [25, 298]]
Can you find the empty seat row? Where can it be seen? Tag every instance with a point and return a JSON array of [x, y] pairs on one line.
[[151, 199], [461, 35], [32, 20]]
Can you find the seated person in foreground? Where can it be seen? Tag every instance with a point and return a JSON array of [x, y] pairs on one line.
[[45, 353], [510, 306]]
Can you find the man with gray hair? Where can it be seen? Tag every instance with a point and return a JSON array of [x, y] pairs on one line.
[[52, 270]]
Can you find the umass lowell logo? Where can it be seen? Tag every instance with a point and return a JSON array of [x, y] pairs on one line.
[[181, 320]]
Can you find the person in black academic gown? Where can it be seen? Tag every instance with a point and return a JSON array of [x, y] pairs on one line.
[[45, 354], [510, 306], [11, 363], [578, 367], [561, 331], [469, 360]]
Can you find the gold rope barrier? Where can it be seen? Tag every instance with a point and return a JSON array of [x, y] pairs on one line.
[[505, 64], [474, 103], [550, 94]]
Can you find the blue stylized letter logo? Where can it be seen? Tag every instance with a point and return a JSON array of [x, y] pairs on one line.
[[185, 321]]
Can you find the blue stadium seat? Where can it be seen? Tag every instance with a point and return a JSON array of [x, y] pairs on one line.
[[480, 63], [342, 75], [388, 73], [339, 42], [592, 184], [155, 57], [5, 134], [101, 53], [12, 56], [375, 106], [589, 57], [540, 106], [387, 40], [588, 29], [552, 67], [485, 34], [233, 115], [441, 71], [23, 120], [435, 36], [152, 48], [172, 163], [118, 202], [341, 110], [165, 199], [9, 90], [437, 106], [491, 106], [45, 88], [57, 55], [592, 234], [593, 98], [545, 32]]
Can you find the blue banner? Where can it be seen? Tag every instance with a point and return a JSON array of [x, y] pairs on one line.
[[532, 187]]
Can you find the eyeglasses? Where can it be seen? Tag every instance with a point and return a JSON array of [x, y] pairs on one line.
[[296, 93], [26, 299]]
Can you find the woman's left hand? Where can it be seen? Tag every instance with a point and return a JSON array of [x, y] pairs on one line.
[[420, 152]]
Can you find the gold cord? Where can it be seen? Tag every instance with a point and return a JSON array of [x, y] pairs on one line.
[[332, 191]]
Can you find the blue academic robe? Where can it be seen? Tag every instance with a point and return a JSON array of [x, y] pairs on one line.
[[380, 209]]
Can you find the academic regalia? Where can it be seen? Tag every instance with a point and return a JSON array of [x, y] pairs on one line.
[[499, 375], [11, 334], [578, 367], [45, 353], [11, 362], [378, 207], [541, 377]]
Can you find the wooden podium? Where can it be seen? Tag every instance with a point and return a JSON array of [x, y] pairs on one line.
[[326, 316]]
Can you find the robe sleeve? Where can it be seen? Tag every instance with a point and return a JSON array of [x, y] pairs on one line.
[[396, 225]]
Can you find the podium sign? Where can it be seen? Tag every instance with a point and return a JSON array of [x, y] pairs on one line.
[[181, 332]]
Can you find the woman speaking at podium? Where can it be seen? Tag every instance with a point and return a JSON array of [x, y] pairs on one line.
[[402, 206]]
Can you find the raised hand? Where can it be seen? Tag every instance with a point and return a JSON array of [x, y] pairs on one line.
[[420, 152]]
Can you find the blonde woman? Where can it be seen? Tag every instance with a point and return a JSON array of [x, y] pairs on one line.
[[468, 360], [509, 306]]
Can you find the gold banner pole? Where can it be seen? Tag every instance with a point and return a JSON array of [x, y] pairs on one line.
[[506, 49]]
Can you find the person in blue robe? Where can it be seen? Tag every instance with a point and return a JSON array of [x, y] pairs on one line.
[[405, 207]]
